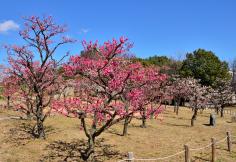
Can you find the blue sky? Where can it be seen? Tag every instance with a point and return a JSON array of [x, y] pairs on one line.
[[156, 27]]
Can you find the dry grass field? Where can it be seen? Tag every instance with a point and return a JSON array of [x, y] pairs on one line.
[[160, 138]]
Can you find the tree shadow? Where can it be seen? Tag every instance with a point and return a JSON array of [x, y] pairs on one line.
[[114, 131], [208, 125], [207, 156], [22, 133], [176, 117], [63, 151], [202, 157], [136, 125], [178, 125], [198, 158], [18, 135]]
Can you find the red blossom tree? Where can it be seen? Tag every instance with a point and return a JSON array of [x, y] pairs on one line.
[[109, 88], [35, 67], [154, 93], [149, 88]]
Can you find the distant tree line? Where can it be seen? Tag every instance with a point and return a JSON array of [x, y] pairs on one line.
[[200, 64]]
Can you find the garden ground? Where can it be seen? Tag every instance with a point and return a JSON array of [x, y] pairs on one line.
[[160, 138]]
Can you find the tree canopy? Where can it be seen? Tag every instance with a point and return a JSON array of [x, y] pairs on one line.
[[167, 65], [206, 66]]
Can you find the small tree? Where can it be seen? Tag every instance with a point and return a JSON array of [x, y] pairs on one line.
[[234, 75], [34, 66], [198, 98], [9, 87], [223, 94], [180, 89], [103, 83], [214, 99], [150, 86], [153, 94]]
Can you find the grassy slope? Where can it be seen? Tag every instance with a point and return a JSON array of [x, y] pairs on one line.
[[159, 139]]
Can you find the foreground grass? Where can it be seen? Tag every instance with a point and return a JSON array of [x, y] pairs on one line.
[[160, 138]]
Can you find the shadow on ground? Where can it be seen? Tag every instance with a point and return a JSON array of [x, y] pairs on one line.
[[22, 133], [114, 131], [208, 125], [177, 125], [61, 151], [199, 159]]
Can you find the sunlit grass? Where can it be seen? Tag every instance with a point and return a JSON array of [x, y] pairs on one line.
[[160, 138]]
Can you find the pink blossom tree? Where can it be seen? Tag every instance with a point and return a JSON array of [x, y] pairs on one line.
[[149, 85], [9, 88], [109, 89], [180, 90], [166, 91], [34, 65], [154, 93]]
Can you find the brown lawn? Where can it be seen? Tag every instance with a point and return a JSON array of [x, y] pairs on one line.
[[159, 139]]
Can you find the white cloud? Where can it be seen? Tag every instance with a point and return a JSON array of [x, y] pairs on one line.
[[8, 25], [84, 31]]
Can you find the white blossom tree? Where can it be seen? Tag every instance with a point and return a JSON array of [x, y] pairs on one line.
[[222, 94], [198, 98]]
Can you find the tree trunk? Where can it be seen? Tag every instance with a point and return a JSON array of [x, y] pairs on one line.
[[143, 123], [152, 115], [222, 111], [177, 110], [144, 118], [201, 111], [125, 128], [40, 129], [194, 117], [217, 110], [126, 123], [28, 115], [8, 102], [40, 119], [87, 155], [177, 107]]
